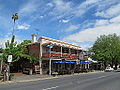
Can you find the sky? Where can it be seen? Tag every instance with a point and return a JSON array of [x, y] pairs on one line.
[[74, 21]]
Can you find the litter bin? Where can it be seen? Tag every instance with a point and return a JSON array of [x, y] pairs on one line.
[[30, 72]]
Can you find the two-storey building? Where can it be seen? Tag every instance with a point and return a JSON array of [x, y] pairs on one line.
[[55, 55]]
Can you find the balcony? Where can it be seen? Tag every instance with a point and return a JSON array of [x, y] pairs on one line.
[[60, 55]]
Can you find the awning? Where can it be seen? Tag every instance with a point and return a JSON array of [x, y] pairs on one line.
[[89, 59], [85, 62], [63, 62]]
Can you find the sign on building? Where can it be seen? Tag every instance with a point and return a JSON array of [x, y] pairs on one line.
[[81, 55], [77, 61], [9, 58]]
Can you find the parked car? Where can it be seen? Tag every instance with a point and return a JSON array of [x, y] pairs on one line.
[[109, 69]]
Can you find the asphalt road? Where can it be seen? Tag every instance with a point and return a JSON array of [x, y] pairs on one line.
[[91, 81]]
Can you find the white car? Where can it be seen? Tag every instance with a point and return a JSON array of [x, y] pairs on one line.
[[109, 69]]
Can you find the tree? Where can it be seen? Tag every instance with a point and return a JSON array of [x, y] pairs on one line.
[[19, 53], [18, 50], [1, 50], [11, 49], [14, 17], [107, 49], [24, 51]]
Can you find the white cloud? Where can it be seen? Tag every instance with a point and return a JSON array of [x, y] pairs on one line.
[[101, 22], [104, 4], [72, 28], [101, 27], [84, 7], [90, 35], [61, 9], [64, 21], [50, 4], [41, 17], [87, 24], [3, 40], [111, 12], [23, 27], [62, 6], [29, 8], [85, 45], [67, 9], [115, 19], [7, 35]]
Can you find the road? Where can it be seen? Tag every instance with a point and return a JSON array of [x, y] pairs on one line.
[[90, 81]]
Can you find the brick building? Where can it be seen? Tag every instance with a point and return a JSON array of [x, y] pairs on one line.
[[55, 55]]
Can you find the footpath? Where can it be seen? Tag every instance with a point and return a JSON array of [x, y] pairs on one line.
[[27, 78]]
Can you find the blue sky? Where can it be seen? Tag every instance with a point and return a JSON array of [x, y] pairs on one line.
[[75, 21]]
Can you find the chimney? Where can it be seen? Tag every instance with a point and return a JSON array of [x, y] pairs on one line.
[[34, 38]]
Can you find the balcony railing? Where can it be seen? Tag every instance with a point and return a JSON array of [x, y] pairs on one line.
[[60, 55]]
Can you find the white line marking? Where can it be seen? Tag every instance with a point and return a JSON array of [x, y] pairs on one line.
[[50, 88], [98, 77], [103, 76]]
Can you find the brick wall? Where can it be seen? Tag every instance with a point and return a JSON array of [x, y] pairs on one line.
[[34, 49]]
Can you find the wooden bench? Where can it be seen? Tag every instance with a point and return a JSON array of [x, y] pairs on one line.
[[26, 70]]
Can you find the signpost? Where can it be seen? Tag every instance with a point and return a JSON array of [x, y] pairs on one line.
[[1, 63], [8, 68]]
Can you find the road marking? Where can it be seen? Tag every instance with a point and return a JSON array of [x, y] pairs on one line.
[[84, 80], [104, 76], [98, 77], [50, 88]]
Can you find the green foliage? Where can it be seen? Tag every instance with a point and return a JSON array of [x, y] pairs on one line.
[[107, 49], [17, 51], [1, 50], [25, 42], [15, 16], [24, 51], [13, 38]]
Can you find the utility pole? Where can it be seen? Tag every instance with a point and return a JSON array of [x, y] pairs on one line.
[[8, 67], [50, 60], [1, 61], [1, 58], [40, 56]]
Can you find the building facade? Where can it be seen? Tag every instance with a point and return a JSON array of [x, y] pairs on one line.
[[56, 56]]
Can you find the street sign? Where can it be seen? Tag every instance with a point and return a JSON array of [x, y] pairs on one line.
[[81, 55], [9, 58], [77, 61]]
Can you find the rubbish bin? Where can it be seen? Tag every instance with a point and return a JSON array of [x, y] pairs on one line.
[[30, 72]]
